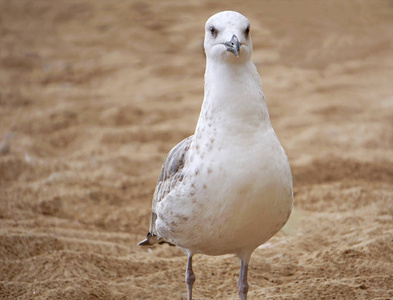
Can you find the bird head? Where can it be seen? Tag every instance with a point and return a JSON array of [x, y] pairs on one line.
[[227, 37]]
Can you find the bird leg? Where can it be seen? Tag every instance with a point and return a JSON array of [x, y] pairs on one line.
[[242, 284], [190, 277]]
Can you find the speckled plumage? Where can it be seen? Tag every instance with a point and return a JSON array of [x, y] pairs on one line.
[[227, 188]]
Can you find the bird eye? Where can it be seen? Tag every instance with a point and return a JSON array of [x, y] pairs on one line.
[[247, 31], [213, 31]]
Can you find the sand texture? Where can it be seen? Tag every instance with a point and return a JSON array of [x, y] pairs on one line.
[[93, 94]]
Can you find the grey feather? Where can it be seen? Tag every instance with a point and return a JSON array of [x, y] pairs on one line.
[[171, 175]]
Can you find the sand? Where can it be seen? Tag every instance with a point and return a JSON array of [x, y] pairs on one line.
[[93, 94]]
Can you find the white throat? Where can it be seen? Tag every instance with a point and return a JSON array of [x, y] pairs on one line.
[[234, 102]]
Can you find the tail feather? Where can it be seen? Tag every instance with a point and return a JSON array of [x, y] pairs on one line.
[[151, 239], [144, 243]]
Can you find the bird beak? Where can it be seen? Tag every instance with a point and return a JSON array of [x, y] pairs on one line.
[[233, 45]]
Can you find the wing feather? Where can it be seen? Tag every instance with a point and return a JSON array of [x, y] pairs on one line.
[[171, 175]]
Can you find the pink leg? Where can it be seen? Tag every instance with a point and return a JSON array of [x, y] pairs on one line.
[[242, 284], [190, 277]]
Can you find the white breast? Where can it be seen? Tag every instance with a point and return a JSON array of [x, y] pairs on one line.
[[234, 198]]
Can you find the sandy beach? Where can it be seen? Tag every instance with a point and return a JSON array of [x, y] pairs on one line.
[[93, 95]]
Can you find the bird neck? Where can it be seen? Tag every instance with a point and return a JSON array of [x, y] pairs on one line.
[[234, 100]]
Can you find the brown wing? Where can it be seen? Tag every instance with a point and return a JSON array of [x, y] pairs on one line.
[[171, 174]]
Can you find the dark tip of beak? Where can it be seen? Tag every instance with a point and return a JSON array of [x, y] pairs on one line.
[[233, 45]]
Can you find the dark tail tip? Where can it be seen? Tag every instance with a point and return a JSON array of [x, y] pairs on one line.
[[144, 243], [151, 239]]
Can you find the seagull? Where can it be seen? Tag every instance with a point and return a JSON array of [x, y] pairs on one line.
[[228, 188]]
